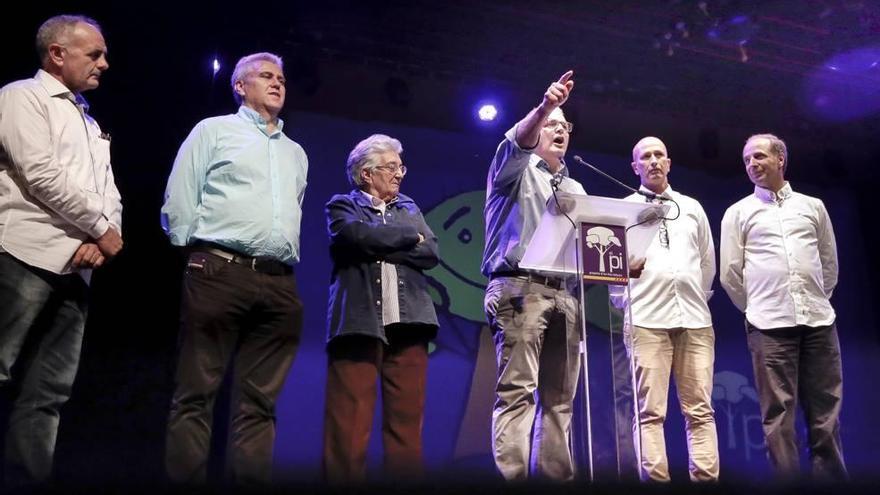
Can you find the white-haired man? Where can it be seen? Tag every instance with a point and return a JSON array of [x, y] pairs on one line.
[[533, 316], [779, 267], [234, 201], [60, 217]]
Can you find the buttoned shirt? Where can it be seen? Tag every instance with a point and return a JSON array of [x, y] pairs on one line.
[[779, 259], [56, 185], [676, 283], [517, 189], [390, 304], [237, 184]]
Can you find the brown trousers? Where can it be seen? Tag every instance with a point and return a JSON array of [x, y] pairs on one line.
[[355, 363]]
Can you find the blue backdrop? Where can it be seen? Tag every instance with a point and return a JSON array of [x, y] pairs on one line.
[[447, 174]]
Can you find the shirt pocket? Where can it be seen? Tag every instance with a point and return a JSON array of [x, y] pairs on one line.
[[101, 156]]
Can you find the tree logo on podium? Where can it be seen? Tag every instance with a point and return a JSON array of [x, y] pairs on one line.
[[604, 252]]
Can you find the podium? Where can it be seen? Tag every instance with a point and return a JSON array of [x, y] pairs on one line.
[[595, 238]]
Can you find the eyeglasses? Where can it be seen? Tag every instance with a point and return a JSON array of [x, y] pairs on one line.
[[392, 169], [553, 124]]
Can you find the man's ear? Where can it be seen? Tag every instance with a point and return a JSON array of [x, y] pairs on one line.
[[635, 168], [239, 87], [56, 54]]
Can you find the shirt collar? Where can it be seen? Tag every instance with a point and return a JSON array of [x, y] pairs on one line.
[[563, 170], [56, 88], [249, 114], [769, 196], [376, 202], [667, 193]]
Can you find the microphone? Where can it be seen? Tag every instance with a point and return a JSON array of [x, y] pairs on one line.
[[646, 194], [650, 215], [555, 180]]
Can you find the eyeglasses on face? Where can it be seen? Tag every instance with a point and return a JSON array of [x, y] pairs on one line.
[[553, 124], [393, 169]]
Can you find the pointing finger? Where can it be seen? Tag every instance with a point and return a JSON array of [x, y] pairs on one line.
[[565, 77]]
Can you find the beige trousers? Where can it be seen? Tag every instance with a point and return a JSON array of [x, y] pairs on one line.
[[536, 335], [688, 355]]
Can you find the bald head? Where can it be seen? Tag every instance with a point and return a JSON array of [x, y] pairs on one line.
[[644, 142], [651, 163]]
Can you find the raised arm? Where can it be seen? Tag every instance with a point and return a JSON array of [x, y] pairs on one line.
[[528, 130]]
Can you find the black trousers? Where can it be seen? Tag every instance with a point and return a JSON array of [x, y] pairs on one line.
[[800, 365], [231, 314]]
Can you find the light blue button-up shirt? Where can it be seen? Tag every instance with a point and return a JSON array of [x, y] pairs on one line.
[[236, 184], [517, 190]]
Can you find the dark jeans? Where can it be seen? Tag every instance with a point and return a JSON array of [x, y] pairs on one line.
[[800, 364], [42, 318], [355, 362], [230, 313]]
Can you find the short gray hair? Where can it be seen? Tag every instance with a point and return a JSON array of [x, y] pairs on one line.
[[57, 29], [363, 156], [248, 64], [777, 145]]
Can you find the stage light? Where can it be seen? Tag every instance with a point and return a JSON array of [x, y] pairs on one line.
[[487, 112], [844, 87], [216, 66]]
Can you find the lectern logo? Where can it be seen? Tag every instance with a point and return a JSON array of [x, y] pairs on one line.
[[604, 253]]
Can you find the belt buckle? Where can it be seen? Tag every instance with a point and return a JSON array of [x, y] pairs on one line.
[[254, 264]]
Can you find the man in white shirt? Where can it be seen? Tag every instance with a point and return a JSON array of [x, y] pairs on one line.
[[779, 266], [668, 328], [60, 217]]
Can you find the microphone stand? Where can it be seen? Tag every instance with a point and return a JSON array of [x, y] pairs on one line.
[[596, 169]]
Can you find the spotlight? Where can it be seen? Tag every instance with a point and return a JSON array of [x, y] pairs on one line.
[[487, 112], [216, 66]]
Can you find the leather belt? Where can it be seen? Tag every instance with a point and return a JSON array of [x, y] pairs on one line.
[[261, 265], [552, 282]]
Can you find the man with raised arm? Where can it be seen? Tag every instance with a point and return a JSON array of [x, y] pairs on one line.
[[533, 316]]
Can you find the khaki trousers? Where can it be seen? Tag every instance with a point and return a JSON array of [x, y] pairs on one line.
[[536, 335], [688, 355]]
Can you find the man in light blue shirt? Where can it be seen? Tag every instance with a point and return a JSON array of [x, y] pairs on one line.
[[234, 200]]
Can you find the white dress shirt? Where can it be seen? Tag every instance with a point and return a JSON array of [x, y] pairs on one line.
[[390, 294], [779, 259], [677, 280], [56, 184]]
